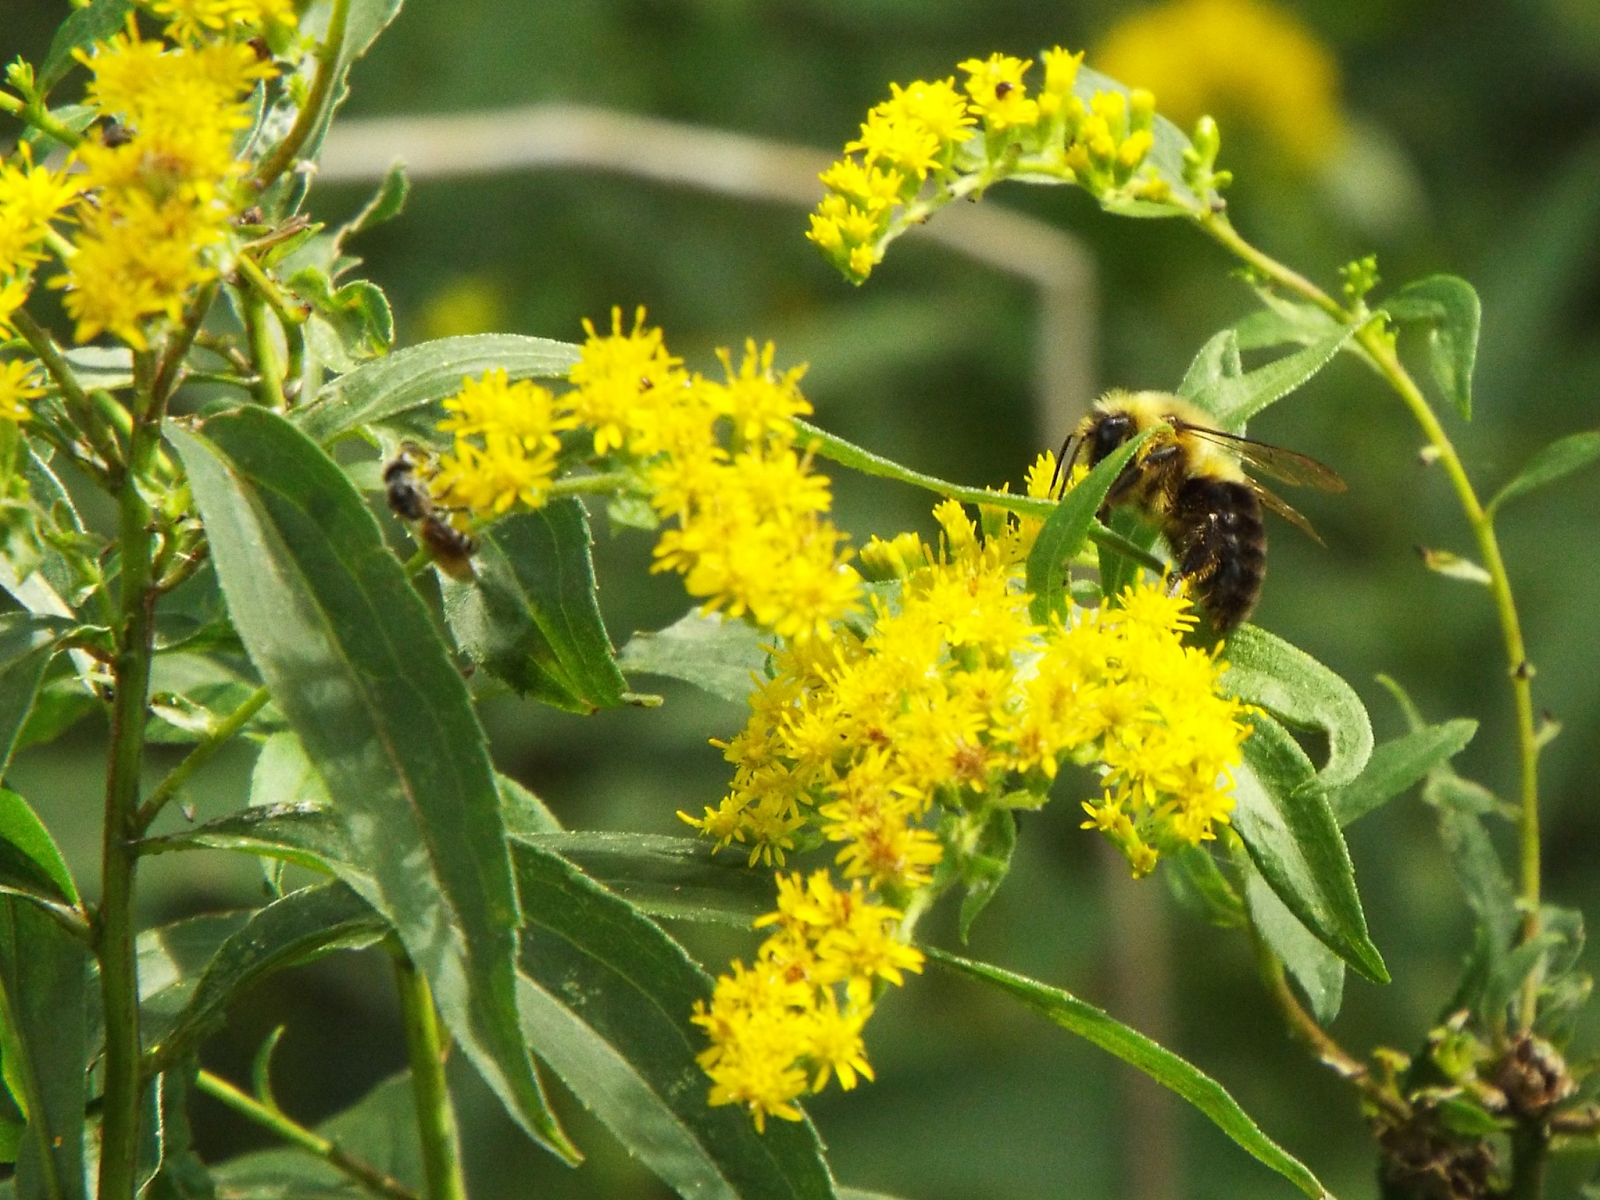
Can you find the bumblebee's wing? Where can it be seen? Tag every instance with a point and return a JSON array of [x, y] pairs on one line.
[[1286, 466], [1273, 503]]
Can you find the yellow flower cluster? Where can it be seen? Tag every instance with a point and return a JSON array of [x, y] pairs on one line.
[[720, 458], [19, 383], [192, 20], [31, 197], [956, 696], [928, 129], [784, 1025], [1244, 59], [158, 178], [505, 444]]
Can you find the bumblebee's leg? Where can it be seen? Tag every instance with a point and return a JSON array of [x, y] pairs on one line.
[[1140, 469]]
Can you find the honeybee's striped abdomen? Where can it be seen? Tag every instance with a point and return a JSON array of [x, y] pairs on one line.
[[1221, 544]]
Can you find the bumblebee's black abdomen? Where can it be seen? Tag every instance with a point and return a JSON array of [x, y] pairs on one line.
[[1221, 546]]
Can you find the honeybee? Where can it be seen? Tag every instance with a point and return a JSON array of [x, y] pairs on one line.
[[1191, 483], [410, 500]]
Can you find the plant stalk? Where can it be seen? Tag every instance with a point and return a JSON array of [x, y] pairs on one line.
[[277, 162], [198, 757], [119, 973], [1380, 350], [436, 1118], [364, 1173], [258, 332]]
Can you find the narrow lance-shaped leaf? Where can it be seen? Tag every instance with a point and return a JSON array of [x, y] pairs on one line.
[[1286, 824], [401, 383], [1317, 969], [27, 644], [1166, 1068], [1217, 362], [1448, 307], [530, 615], [1067, 528], [1302, 693], [300, 927], [606, 1002], [717, 655], [353, 660], [94, 23], [44, 974], [1556, 461], [30, 860], [1233, 400], [1397, 765]]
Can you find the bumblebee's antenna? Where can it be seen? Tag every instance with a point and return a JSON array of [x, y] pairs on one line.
[[1065, 460]]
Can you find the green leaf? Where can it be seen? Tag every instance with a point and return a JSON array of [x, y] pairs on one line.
[[1556, 461], [1233, 400], [523, 812], [44, 976], [985, 864], [380, 1130], [724, 657], [107, 367], [530, 615], [385, 204], [358, 312], [416, 378], [284, 775], [1283, 322], [1217, 362], [1067, 528], [1449, 309], [1118, 572], [308, 835], [1396, 765], [1200, 886], [59, 705], [27, 644], [1133, 1048], [1267, 671], [30, 860], [1318, 971], [354, 662], [1478, 870], [671, 877], [606, 1001], [299, 928], [1295, 843], [96, 23]]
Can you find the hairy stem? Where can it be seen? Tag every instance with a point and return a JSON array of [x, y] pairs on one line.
[[135, 634], [277, 162], [436, 1118], [364, 1173], [1380, 351]]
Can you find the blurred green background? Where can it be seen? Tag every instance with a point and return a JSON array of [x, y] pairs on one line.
[[1465, 138]]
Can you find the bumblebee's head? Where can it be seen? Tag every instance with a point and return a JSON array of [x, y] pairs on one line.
[[1107, 431]]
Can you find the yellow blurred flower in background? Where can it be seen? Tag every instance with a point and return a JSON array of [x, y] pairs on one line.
[[1246, 62]]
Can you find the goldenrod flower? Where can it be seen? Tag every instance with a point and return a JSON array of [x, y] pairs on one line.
[[1247, 59], [998, 93], [505, 444], [621, 378], [192, 20], [20, 382], [30, 198]]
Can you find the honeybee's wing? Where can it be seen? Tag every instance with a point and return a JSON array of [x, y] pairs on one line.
[[1274, 503], [1286, 466]]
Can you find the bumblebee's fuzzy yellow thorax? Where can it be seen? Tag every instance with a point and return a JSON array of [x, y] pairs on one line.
[[1202, 456]]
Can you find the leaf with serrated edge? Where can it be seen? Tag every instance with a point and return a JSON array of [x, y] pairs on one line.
[[530, 614], [44, 975], [1234, 400], [724, 657], [421, 375], [1448, 307], [1267, 671], [1296, 844], [353, 661], [300, 927], [1067, 528], [606, 1002], [1166, 1068], [1318, 970], [1396, 765], [1555, 461]]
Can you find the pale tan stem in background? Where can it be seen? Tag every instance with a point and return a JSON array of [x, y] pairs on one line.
[[751, 168]]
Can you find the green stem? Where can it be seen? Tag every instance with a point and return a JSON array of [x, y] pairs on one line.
[[436, 1119], [35, 114], [1380, 352], [1530, 1146], [199, 756], [364, 1173], [263, 354], [848, 454], [119, 974], [277, 162], [179, 345], [79, 406]]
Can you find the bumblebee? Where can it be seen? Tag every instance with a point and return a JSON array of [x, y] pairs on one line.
[[410, 500], [1191, 483]]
